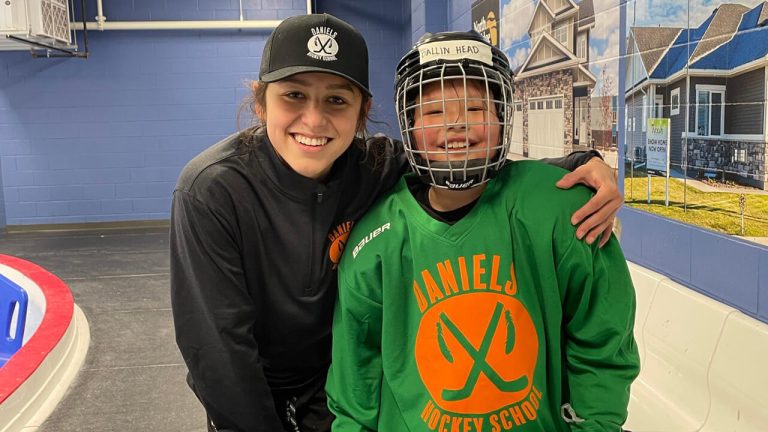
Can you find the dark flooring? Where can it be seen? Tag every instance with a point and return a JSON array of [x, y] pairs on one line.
[[133, 378]]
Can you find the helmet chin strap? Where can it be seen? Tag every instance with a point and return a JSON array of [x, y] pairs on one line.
[[453, 175]]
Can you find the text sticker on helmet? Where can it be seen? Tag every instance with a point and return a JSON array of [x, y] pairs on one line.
[[455, 50]]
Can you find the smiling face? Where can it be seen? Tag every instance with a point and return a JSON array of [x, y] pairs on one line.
[[451, 124], [311, 119]]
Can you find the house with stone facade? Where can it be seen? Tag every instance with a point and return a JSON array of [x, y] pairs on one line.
[[554, 84], [711, 81]]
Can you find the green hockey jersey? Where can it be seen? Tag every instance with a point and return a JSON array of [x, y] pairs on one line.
[[501, 321]]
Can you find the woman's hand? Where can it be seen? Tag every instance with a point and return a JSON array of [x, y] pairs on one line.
[[595, 219]]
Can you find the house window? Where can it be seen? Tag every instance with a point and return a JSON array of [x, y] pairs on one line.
[[561, 33], [581, 46], [519, 107], [558, 104], [540, 105], [739, 155], [532, 106], [549, 104], [674, 101], [710, 112]]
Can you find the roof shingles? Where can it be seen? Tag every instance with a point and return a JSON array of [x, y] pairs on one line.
[[748, 44], [763, 15], [733, 35], [676, 58], [652, 42], [724, 24]]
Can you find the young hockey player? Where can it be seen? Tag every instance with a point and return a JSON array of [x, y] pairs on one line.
[[465, 300]]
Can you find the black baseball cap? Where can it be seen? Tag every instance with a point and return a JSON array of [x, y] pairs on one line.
[[315, 43]]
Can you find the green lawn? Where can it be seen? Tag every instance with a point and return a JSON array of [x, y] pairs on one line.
[[718, 211]]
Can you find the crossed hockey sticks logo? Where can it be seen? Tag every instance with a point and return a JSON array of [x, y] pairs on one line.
[[479, 356], [321, 48]]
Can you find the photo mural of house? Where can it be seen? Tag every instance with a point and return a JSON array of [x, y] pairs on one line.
[[604, 122], [553, 82], [710, 79]]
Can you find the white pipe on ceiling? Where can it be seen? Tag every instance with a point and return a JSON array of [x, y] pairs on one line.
[[102, 24], [180, 25], [100, 18]]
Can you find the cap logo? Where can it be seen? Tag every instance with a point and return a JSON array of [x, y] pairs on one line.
[[322, 45]]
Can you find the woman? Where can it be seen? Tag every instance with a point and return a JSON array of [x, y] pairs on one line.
[[260, 219]]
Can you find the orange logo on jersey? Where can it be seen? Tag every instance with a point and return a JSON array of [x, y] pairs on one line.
[[338, 238], [476, 352]]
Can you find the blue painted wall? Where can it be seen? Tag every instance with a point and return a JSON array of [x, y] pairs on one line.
[[459, 15], [720, 266], [2, 193], [104, 139], [439, 15], [383, 24]]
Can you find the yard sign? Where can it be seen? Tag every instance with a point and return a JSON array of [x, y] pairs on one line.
[[657, 152]]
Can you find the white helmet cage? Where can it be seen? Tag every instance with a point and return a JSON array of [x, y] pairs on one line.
[[464, 58]]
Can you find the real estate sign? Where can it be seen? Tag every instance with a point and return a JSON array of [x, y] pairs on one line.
[[657, 152], [657, 145]]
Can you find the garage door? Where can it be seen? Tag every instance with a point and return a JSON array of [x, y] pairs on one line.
[[545, 127], [517, 131]]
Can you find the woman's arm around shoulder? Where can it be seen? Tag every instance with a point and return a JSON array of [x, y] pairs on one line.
[[595, 219]]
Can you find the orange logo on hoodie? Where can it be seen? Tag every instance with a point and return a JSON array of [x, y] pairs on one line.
[[338, 238]]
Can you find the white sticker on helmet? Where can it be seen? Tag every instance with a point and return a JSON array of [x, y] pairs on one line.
[[456, 50]]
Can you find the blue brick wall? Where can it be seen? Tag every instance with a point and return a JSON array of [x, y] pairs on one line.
[[134, 113], [439, 15], [382, 24], [4, 116], [430, 16], [153, 10], [2, 201], [418, 19], [460, 15], [436, 16], [104, 139]]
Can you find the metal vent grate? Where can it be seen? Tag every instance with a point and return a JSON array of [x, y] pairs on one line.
[[55, 19]]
